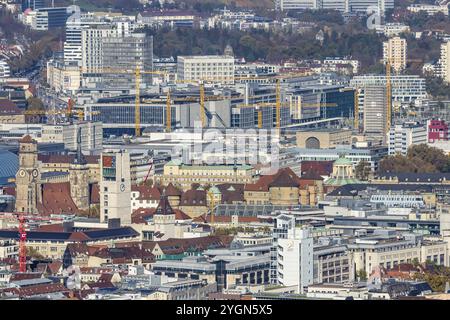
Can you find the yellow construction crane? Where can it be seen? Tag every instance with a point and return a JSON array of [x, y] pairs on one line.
[[137, 74]]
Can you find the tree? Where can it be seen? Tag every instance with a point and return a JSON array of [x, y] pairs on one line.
[[33, 253], [361, 275], [35, 104], [363, 170]]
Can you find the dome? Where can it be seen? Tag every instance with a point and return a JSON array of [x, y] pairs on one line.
[[342, 161]]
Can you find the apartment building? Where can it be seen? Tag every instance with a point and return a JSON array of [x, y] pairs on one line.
[[394, 52], [428, 8], [206, 68], [403, 136], [5, 71], [63, 77], [444, 62]]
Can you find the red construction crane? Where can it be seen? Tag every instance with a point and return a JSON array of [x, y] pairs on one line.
[[148, 173], [22, 218]]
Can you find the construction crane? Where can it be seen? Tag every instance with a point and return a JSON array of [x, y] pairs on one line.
[[137, 77], [22, 219]]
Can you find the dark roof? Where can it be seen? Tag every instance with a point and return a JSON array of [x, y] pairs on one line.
[[91, 235], [171, 190], [164, 207], [417, 177], [7, 107], [322, 168], [27, 139], [146, 192], [351, 190], [56, 199], [193, 198]]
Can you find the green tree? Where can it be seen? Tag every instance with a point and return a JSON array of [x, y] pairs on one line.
[[363, 170], [35, 104], [361, 275]]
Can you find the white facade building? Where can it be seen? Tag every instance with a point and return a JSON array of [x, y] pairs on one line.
[[429, 8], [295, 259], [206, 68], [403, 136], [115, 187], [5, 71]]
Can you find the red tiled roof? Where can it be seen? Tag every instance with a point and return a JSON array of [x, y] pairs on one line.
[[27, 139], [285, 177], [140, 215], [25, 276], [56, 199], [193, 198], [146, 193], [95, 194], [7, 107], [9, 191], [322, 168], [65, 158], [58, 227]]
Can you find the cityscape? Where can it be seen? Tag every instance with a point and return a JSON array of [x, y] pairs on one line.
[[247, 150]]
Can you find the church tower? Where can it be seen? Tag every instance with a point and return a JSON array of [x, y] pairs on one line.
[[79, 178], [28, 177], [164, 218]]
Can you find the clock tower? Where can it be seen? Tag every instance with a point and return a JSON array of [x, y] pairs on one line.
[[28, 177]]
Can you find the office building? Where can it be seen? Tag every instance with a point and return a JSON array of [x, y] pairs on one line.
[[295, 258], [403, 136], [48, 18], [126, 53], [32, 4], [431, 9], [284, 5], [375, 110], [206, 68], [63, 77], [92, 47], [91, 135], [363, 6], [115, 187], [394, 52]]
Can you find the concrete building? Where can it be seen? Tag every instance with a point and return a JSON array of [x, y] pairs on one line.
[[115, 187], [91, 135], [394, 52], [44, 19], [388, 248], [403, 136], [284, 5], [206, 68], [323, 138], [63, 77], [393, 29], [126, 53], [92, 47], [444, 62], [375, 111], [5, 71], [437, 131], [295, 259]]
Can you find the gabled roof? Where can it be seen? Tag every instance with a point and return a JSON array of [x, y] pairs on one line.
[[56, 199], [285, 177], [146, 192], [164, 207], [193, 198], [142, 215], [171, 190]]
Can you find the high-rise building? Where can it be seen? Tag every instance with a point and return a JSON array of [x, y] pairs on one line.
[[444, 62], [32, 4], [394, 51], [375, 109], [48, 18], [403, 136], [126, 53], [295, 258], [115, 187]]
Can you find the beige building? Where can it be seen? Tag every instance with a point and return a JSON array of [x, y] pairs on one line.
[[63, 77], [394, 51], [207, 68], [185, 175], [371, 252], [323, 138]]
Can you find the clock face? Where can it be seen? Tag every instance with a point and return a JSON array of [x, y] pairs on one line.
[[22, 173], [35, 173], [122, 187]]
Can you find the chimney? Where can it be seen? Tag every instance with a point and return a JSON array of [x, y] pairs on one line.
[[68, 226], [114, 223]]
